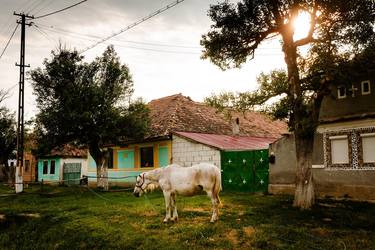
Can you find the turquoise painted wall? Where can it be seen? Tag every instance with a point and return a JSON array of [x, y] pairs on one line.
[[163, 156], [130, 176], [91, 163], [48, 176], [125, 159]]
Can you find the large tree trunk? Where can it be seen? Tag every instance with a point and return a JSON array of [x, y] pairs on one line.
[[304, 193], [304, 196], [102, 173], [101, 161]]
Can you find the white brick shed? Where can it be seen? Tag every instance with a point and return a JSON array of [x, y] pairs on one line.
[[191, 148]]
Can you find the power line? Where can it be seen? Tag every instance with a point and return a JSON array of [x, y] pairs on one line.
[[35, 5], [95, 38], [134, 24], [6, 46], [120, 43], [57, 11], [44, 7], [44, 34]]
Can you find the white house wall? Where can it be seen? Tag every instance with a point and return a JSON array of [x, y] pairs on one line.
[[187, 153], [74, 160]]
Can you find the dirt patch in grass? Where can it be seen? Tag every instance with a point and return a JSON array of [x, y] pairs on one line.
[[149, 213], [248, 231], [232, 236], [30, 215], [194, 209], [320, 231]]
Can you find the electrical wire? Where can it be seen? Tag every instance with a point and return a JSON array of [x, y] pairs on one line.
[[58, 11], [133, 24], [34, 6], [43, 33], [44, 7], [125, 46], [6, 46], [120, 43], [95, 38]]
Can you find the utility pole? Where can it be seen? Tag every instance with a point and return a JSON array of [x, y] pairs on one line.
[[21, 107]]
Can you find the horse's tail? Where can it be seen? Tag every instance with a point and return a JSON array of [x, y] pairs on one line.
[[217, 186]]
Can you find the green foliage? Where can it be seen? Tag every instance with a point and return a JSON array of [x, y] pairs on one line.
[[85, 103], [8, 133], [239, 28], [75, 218], [338, 29]]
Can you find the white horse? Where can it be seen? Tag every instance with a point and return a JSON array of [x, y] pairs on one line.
[[186, 181]]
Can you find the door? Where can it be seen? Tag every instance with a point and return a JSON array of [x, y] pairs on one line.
[[245, 171], [72, 173]]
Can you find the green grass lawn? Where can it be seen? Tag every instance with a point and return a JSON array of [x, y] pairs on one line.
[[77, 218]]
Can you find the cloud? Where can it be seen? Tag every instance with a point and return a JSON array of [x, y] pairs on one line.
[[163, 53]]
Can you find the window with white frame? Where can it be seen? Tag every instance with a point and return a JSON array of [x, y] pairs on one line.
[[365, 87], [341, 92], [339, 149], [368, 147]]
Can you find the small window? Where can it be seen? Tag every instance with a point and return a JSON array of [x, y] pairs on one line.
[[366, 87], [368, 147], [27, 165], [147, 157], [339, 149], [52, 170], [45, 167], [341, 92], [110, 159], [12, 163]]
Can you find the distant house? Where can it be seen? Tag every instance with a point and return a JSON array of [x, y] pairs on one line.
[[29, 173], [66, 164], [176, 123], [344, 145]]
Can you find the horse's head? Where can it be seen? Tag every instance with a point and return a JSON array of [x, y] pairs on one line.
[[141, 185]]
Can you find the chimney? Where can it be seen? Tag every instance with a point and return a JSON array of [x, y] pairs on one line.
[[236, 126]]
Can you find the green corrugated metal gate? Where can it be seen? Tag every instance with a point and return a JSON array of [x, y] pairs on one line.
[[72, 173], [244, 170]]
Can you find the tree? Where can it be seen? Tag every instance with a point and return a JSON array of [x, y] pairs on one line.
[[8, 138], [335, 25], [86, 104]]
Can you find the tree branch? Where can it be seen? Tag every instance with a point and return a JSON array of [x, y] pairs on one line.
[[309, 38], [4, 94]]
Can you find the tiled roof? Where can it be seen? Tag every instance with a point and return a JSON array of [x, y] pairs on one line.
[[180, 113], [228, 142], [68, 151]]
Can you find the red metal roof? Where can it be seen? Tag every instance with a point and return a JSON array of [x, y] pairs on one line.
[[227, 142]]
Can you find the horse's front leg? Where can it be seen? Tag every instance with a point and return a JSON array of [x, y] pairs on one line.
[[174, 207], [215, 209], [167, 198]]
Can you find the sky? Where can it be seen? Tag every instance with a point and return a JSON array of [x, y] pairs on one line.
[[162, 53]]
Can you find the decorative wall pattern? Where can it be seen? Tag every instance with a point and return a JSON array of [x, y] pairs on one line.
[[355, 149]]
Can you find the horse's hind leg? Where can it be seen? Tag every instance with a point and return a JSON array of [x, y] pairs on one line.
[[215, 202], [174, 207], [167, 198]]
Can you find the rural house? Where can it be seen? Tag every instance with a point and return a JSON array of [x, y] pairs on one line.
[[66, 164], [344, 146], [177, 122]]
